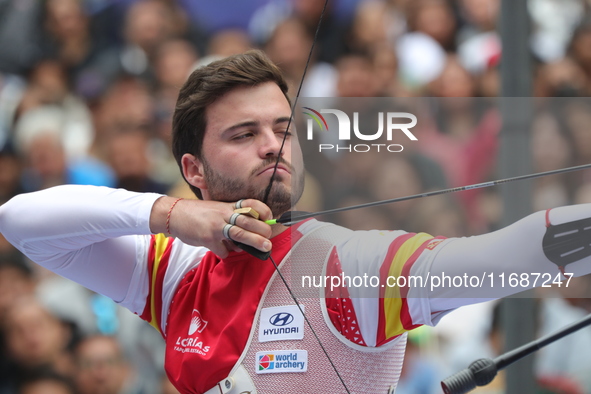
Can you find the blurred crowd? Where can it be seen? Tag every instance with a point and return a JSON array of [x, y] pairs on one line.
[[87, 92]]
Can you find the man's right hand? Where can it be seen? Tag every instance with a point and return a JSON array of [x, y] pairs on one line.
[[201, 223]]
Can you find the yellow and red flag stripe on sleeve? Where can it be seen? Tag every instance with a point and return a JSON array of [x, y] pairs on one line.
[[158, 259], [394, 316]]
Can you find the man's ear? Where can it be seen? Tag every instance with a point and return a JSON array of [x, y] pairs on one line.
[[193, 171]]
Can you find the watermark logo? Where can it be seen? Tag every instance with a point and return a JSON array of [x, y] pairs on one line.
[[390, 123], [316, 116]]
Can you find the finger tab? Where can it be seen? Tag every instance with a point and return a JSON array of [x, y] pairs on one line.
[[247, 211]]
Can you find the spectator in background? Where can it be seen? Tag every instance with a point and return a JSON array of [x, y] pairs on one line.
[[183, 26], [580, 49], [422, 50], [34, 338], [420, 373], [398, 10], [370, 26], [440, 215], [90, 64], [47, 84], [69, 31], [583, 193], [479, 44], [453, 81], [49, 98], [128, 156], [385, 65], [560, 78], [396, 177], [330, 37], [45, 162], [94, 314], [552, 24], [10, 173], [478, 16], [12, 88], [228, 42], [128, 103], [16, 281], [174, 61], [356, 76], [41, 135], [166, 387], [577, 116], [148, 25], [5, 246], [330, 43], [46, 382], [19, 35], [560, 367], [460, 133], [289, 46], [551, 149], [436, 19], [368, 219], [103, 369], [47, 165]]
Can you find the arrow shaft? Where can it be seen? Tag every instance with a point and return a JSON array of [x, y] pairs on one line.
[[291, 220]]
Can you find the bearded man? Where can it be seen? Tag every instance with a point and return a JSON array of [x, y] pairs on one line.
[[229, 324]]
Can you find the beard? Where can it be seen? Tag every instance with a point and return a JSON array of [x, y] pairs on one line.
[[281, 197]]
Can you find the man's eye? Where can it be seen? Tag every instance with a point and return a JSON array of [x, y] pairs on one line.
[[242, 136]]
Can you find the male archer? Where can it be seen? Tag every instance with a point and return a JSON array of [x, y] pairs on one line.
[[229, 324]]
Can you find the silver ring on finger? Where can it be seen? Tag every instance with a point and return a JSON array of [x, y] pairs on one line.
[[233, 218], [226, 231], [238, 204]]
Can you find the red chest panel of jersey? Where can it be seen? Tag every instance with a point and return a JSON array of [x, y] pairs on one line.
[[212, 314]]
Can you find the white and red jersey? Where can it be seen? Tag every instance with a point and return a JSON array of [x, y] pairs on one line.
[[212, 312], [206, 314]]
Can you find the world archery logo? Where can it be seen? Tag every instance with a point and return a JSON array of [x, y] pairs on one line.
[[389, 123], [266, 361], [277, 361]]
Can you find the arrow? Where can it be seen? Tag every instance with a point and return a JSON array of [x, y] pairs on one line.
[[292, 217]]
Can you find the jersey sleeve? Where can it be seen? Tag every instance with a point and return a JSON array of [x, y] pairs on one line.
[[100, 238], [404, 280], [162, 264], [366, 308], [515, 251], [84, 233]]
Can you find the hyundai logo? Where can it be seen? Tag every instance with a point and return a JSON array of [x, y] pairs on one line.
[[281, 319]]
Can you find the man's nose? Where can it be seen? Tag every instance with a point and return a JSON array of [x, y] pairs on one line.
[[271, 144]]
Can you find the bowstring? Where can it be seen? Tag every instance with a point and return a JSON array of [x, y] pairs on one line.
[[309, 324], [268, 191]]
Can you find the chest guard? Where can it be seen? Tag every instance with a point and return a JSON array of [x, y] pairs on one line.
[[364, 369]]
